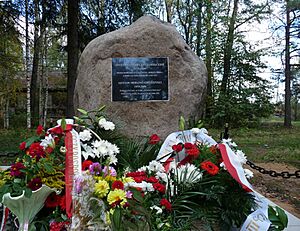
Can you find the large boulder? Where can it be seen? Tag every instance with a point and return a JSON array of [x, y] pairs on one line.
[[147, 37]]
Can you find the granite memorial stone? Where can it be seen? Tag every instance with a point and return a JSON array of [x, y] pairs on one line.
[[178, 90]]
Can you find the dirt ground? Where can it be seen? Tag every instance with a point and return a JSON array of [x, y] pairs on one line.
[[283, 192]]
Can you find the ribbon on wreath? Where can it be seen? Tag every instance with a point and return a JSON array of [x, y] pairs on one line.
[[258, 219], [73, 157]]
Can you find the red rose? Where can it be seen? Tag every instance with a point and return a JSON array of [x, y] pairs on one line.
[[192, 152], [177, 147], [86, 164], [159, 187], [22, 146], [152, 179], [211, 168], [117, 185], [164, 202], [188, 145], [15, 169], [39, 130], [154, 139], [36, 151]]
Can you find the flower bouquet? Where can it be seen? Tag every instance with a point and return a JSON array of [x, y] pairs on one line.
[[37, 173]]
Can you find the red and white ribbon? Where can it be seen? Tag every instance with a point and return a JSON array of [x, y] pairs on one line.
[[234, 166]]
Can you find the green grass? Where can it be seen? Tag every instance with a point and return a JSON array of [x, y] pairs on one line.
[[10, 141], [271, 142]]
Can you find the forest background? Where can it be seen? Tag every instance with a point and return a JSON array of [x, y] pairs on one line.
[[41, 42]]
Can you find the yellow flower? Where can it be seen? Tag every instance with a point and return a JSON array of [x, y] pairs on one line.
[[117, 195], [127, 179], [101, 188], [110, 178]]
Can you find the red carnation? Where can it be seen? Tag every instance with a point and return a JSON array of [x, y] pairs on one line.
[[22, 146], [52, 200], [15, 169], [193, 151], [117, 185], [211, 168], [152, 179], [188, 145], [164, 202], [35, 184], [139, 179], [159, 187], [36, 151], [135, 174], [86, 164], [39, 130], [177, 147], [154, 139]]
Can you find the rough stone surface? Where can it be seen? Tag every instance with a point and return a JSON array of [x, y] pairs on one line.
[[147, 37]]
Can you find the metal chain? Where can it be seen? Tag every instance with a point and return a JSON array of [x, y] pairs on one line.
[[272, 173]]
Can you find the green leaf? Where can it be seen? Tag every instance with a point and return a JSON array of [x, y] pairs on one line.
[[84, 112], [31, 140], [102, 108], [282, 216], [28, 192], [181, 123], [63, 124]]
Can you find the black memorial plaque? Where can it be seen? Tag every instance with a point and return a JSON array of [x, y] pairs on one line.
[[139, 79]]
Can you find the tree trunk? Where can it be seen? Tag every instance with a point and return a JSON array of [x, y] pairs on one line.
[[73, 51], [287, 98], [28, 114], [6, 113], [168, 4], [208, 58], [34, 102], [227, 50]]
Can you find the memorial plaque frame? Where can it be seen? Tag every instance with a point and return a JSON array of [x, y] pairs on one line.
[[140, 79]]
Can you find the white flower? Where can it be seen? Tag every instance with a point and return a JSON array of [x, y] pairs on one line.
[[85, 135], [195, 130], [143, 169], [241, 156], [107, 125], [248, 173], [112, 159], [48, 141], [162, 176], [188, 174], [158, 209], [145, 186], [229, 142], [155, 166], [103, 148], [87, 151], [222, 165]]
